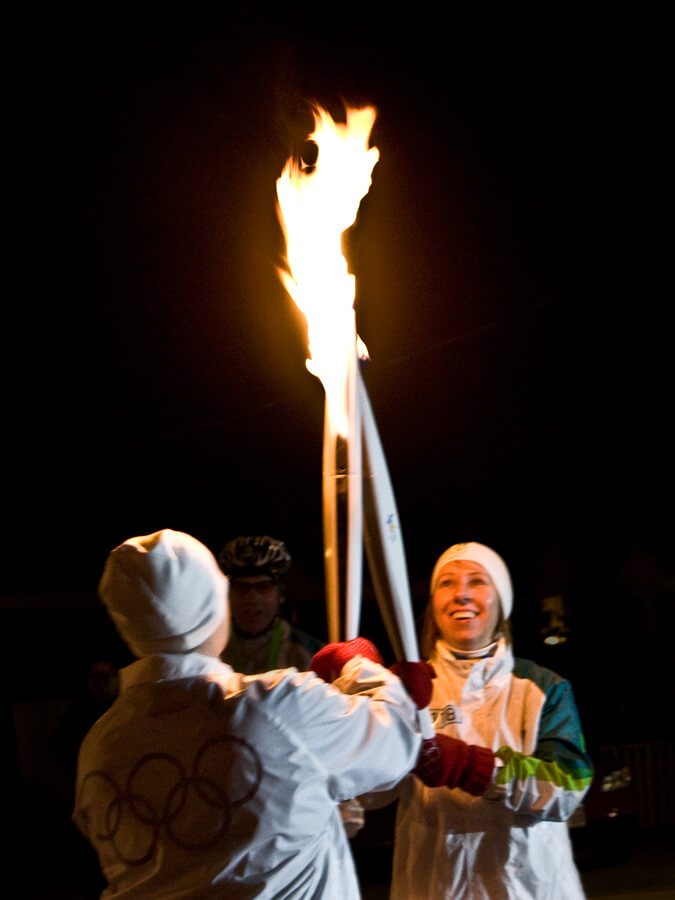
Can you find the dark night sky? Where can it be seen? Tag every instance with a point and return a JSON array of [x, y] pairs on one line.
[[510, 286]]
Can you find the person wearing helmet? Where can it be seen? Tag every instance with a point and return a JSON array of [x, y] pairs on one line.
[[261, 639], [511, 840]]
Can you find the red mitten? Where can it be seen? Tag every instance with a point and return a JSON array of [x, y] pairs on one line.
[[448, 761], [416, 677], [441, 760], [329, 660], [478, 771]]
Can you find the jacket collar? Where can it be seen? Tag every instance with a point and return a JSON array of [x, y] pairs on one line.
[[485, 667], [171, 667]]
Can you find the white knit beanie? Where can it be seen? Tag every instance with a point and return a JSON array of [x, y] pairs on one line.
[[164, 592], [493, 564]]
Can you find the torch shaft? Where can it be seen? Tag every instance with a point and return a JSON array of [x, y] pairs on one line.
[[330, 526], [386, 554], [343, 507], [354, 576]]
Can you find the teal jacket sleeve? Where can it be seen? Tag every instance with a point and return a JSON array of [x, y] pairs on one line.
[[550, 784]]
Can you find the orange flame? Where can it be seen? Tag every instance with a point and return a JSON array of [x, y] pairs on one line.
[[316, 205]]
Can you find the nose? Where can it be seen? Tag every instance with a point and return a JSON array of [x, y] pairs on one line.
[[461, 592]]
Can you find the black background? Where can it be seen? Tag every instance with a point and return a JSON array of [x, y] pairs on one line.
[[511, 289]]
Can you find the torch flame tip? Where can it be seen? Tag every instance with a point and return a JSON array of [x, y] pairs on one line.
[[316, 205]]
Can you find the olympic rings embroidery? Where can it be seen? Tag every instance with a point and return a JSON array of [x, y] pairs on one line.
[[193, 809]]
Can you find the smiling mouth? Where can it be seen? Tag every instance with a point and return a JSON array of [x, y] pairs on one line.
[[463, 614]]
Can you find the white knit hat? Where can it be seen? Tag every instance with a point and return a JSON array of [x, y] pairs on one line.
[[493, 564], [164, 592]]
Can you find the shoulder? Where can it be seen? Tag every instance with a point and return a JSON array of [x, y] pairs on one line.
[[296, 699], [545, 678]]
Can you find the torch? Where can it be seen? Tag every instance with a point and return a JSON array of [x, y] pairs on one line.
[[316, 205]]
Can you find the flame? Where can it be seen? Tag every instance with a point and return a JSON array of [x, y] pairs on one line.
[[316, 205]]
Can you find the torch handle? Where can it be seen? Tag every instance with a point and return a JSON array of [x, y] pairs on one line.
[[424, 721], [330, 527], [384, 547], [354, 574], [384, 541]]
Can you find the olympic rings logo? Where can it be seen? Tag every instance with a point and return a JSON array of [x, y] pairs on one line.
[[193, 809]]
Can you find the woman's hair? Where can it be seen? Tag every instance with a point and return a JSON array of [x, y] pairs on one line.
[[429, 632]]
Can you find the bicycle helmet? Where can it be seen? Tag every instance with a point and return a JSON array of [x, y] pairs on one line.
[[255, 555]]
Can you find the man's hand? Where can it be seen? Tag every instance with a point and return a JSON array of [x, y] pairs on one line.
[[416, 678], [329, 660]]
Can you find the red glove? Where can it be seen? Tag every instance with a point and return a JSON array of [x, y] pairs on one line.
[[416, 677], [477, 773], [447, 761], [329, 660]]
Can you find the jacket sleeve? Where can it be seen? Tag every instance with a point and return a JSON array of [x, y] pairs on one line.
[[550, 784], [361, 731]]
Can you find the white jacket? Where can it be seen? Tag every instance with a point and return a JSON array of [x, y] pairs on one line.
[[200, 782], [513, 841]]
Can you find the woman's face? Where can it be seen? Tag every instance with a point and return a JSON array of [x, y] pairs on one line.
[[465, 605]]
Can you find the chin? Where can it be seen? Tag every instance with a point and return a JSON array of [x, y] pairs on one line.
[[467, 643]]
